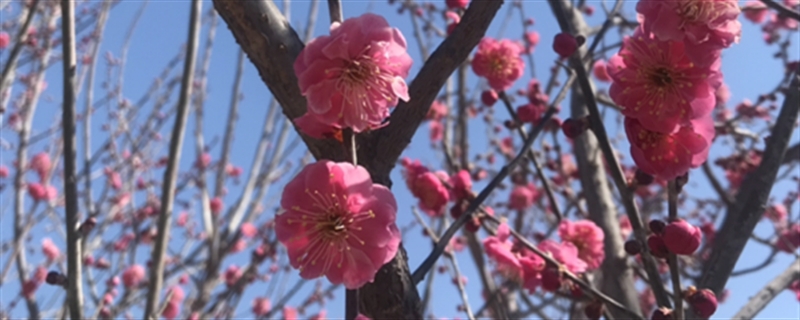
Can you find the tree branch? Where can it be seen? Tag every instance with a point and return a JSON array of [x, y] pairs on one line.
[[752, 197], [782, 10], [769, 292], [171, 172], [74, 256]]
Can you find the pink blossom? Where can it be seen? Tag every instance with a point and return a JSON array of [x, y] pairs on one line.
[[681, 237], [499, 62], [587, 237], [565, 44], [566, 253], [50, 250], [171, 310], [522, 197], [319, 316], [600, 72], [289, 313], [203, 161], [436, 130], [667, 156], [3, 171], [755, 11], [315, 127], [4, 40], [433, 194], [795, 287], [532, 39], [489, 97], [707, 26], [29, 288], [336, 222], [261, 306], [232, 275], [437, 111], [462, 185], [656, 83], [498, 248], [233, 171], [413, 170], [216, 205], [456, 4], [777, 213], [42, 164], [41, 192], [133, 275], [248, 230], [354, 76], [789, 239]]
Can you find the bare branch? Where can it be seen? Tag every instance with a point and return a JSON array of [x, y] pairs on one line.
[[769, 292], [782, 10], [752, 197], [74, 256], [171, 172]]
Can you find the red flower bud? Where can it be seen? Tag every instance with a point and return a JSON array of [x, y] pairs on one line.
[[657, 247], [489, 97], [575, 127], [594, 310], [656, 226], [551, 278], [703, 302], [681, 237], [661, 314], [565, 44], [633, 247]]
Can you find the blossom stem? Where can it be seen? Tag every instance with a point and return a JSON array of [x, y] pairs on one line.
[[335, 10], [672, 199]]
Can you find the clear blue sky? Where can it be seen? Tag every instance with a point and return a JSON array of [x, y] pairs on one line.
[[748, 68]]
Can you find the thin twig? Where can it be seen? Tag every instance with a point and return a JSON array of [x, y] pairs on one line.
[[769, 292], [672, 200], [74, 256], [21, 39], [782, 10], [171, 172]]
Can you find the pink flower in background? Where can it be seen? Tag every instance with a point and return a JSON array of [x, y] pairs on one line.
[[777, 213], [42, 164], [248, 230], [336, 222], [289, 313], [433, 194], [707, 26], [532, 39], [587, 237], [565, 44], [795, 287], [498, 248], [522, 197], [3, 171], [173, 307], [4, 40], [216, 205], [656, 83], [319, 316], [113, 178], [667, 156], [203, 160], [600, 71], [462, 185], [354, 76], [50, 250], [789, 239], [437, 111], [456, 4], [566, 253], [232, 275], [499, 62], [41, 192], [755, 11], [436, 129], [133, 275], [261, 306]]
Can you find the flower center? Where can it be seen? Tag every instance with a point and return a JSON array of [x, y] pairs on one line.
[[334, 226], [650, 139], [693, 11], [356, 72], [661, 77]]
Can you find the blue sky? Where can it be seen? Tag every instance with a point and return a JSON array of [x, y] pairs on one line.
[[748, 67]]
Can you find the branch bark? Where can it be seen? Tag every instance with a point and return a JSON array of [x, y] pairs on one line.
[[171, 172], [752, 197], [74, 256], [769, 292]]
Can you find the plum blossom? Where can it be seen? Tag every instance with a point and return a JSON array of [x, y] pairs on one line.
[[462, 185], [42, 164], [522, 197], [261, 306], [789, 239], [232, 275], [681, 237], [352, 77], [50, 250], [499, 62], [132, 276], [566, 253], [667, 156], [755, 11], [514, 262], [336, 222], [587, 237], [655, 82], [433, 195], [707, 26]]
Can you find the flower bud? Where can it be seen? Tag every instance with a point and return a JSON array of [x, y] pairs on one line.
[[489, 97], [633, 247], [565, 44], [703, 302], [661, 314], [551, 278], [680, 237], [574, 127], [656, 226], [57, 279], [594, 310], [657, 247]]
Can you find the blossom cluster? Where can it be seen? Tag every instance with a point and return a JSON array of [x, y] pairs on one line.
[[334, 220], [665, 78]]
